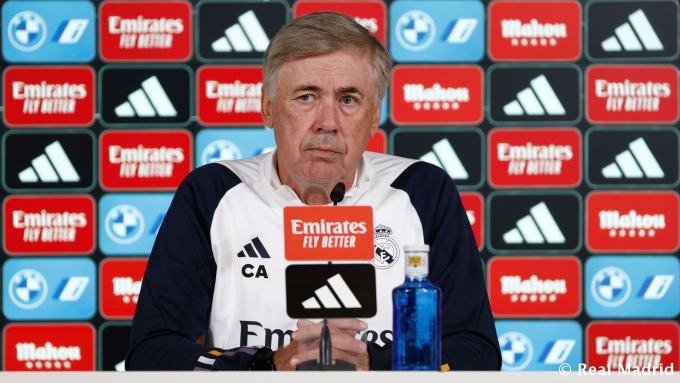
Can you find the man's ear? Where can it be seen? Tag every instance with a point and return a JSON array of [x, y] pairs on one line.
[[266, 109]]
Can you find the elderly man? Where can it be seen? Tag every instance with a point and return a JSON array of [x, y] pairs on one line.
[[324, 78]]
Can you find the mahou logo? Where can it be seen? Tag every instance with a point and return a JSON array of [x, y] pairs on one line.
[[635, 94], [549, 157], [535, 286], [474, 208], [48, 347], [633, 346], [49, 225], [371, 14], [535, 30], [442, 94], [145, 30], [632, 221], [120, 282], [229, 95], [48, 96], [144, 160]]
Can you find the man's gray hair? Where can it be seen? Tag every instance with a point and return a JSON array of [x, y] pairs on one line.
[[320, 33]]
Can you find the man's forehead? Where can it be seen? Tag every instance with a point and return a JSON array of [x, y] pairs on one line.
[[338, 70]]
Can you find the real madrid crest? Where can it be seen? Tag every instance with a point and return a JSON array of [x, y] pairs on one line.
[[386, 249]]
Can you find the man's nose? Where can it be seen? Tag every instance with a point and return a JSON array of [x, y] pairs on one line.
[[328, 115]]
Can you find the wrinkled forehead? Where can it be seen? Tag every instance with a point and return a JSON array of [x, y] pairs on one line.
[[332, 71]]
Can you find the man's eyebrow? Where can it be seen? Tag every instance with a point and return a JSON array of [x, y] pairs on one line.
[[349, 89], [304, 88], [314, 88]]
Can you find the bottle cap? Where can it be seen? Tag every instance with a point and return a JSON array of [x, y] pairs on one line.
[[416, 248], [416, 260]]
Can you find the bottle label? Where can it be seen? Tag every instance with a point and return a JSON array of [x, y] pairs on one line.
[[416, 264]]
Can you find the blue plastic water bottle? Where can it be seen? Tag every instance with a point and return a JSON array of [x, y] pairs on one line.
[[416, 316]]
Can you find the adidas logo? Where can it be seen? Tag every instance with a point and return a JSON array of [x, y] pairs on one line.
[[251, 251], [633, 35], [52, 166], [148, 101], [537, 227], [445, 157], [326, 296], [245, 36], [537, 100], [637, 162]]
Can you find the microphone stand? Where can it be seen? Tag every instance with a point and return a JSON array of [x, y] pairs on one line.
[[325, 347]]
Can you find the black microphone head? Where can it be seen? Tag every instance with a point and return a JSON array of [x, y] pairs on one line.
[[338, 193]]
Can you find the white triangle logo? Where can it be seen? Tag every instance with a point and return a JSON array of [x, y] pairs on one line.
[[633, 36], [148, 101], [245, 36], [538, 99], [636, 162], [536, 228], [445, 157], [51, 166]]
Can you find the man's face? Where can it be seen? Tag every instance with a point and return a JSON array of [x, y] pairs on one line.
[[323, 114]]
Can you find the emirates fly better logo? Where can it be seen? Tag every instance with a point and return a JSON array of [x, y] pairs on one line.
[[534, 157], [437, 95], [631, 346], [145, 160], [145, 30], [635, 94], [49, 225], [48, 96], [632, 221], [534, 30], [229, 95], [371, 14]]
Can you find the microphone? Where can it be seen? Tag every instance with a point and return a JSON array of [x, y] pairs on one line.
[[325, 347], [338, 193]]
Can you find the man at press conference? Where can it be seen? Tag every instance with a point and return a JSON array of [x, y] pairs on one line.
[[324, 79]]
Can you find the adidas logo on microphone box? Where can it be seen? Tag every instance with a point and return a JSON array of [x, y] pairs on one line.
[[143, 96], [331, 291], [237, 31], [48, 160], [534, 95], [643, 30], [644, 157]]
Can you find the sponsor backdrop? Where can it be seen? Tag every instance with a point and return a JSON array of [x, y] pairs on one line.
[[557, 119]]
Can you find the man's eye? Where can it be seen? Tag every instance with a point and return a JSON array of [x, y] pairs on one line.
[[305, 97], [347, 100]]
